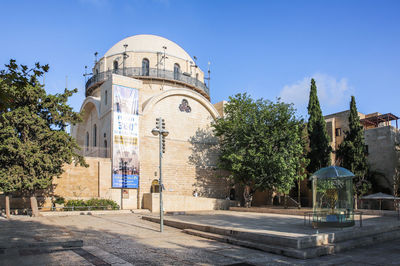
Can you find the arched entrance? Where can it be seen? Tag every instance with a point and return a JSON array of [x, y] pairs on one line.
[[155, 187]]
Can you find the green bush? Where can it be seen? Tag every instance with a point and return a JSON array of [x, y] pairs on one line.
[[72, 204], [92, 204], [59, 200]]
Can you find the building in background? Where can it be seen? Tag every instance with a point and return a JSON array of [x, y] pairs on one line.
[[381, 138]]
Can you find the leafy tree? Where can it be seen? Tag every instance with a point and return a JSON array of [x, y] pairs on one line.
[[304, 161], [260, 144], [352, 151], [396, 176], [33, 142], [319, 148]]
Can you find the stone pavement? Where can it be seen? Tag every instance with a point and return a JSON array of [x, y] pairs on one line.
[[123, 239], [282, 224]]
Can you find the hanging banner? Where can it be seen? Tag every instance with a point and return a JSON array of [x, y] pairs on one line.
[[125, 162]]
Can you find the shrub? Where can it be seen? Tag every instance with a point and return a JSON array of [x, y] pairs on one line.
[[59, 200], [92, 204], [99, 204], [72, 204]]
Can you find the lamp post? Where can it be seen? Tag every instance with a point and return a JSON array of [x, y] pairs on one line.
[[160, 131]]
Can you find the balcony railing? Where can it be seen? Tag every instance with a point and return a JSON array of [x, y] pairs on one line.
[[152, 72]]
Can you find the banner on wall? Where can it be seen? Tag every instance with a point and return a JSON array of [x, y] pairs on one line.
[[125, 162]]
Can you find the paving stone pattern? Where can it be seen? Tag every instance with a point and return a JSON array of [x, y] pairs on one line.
[[125, 239]]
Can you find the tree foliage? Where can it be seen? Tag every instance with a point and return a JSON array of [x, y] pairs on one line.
[[352, 151], [319, 148], [260, 143], [33, 142], [396, 176]]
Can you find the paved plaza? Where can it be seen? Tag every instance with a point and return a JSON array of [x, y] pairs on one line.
[[125, 239]]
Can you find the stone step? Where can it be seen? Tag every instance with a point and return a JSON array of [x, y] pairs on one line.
[[305, 253], [350, 233], [276, 249], [303, 242]]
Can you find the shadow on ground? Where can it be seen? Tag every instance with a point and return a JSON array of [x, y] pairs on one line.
[[139, 242]]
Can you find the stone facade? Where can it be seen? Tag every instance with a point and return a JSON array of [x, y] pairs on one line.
[[189, 163]]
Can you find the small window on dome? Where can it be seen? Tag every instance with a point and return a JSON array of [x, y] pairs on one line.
[[177, 71], [145, 67], [115, 66], [87, 141], [94, 135], [105, 97], [105, 148]]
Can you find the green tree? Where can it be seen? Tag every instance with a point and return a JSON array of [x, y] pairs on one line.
[[319, 148], [352, 151], [259, 144], [396, 176], [34, 145], [303, 163]]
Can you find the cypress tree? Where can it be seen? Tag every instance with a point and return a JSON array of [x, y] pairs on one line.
[[320, 150], [352, 151]]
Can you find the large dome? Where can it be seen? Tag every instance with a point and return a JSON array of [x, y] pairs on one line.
[[148, 43]]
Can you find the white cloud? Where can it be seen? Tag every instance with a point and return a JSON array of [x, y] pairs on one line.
[[333, 94]]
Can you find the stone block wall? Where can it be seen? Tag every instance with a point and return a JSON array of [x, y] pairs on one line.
[[185, 203], [382, 157]]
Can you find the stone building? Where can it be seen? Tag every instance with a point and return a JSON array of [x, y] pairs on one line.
[[149, 77], [380, 137]]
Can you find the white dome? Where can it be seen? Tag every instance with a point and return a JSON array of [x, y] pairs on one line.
[[148, 43]]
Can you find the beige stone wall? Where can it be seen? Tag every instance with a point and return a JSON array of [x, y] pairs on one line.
[[173, 202], [189, 163], [191, 153], [382, 157], [338, 121], [220, 106]]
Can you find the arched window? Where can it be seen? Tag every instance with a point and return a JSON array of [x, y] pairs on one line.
[[105, 148], [97, 71], [177, 71], [115, 66], [105, 97], [145, 67], [94, 135], [87, 141]]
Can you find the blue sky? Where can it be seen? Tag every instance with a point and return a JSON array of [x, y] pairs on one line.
[[268, 49]]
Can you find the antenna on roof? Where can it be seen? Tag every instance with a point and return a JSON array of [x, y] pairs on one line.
[[195, 61], [163, 58], [124, 57], [209, 74]]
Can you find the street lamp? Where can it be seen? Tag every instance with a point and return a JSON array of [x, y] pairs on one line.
[[160, 131]]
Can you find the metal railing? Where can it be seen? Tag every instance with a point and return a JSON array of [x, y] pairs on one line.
[[151, 72]]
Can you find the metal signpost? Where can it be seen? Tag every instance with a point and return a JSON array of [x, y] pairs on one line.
[[160, 131]]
